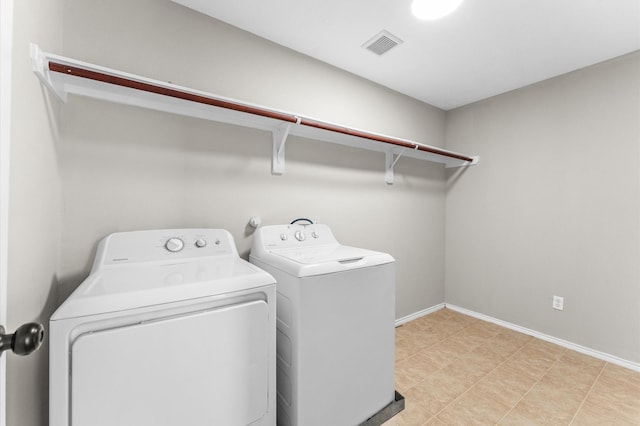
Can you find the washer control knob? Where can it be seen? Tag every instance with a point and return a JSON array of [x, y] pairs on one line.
[[284, 237], [174, 245], [201, 242], [300, 236], [314, 234]]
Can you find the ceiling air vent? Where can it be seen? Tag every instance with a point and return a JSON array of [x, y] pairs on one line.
[[382, 42]]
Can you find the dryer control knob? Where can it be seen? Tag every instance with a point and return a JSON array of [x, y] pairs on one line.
[[314, 234], [300, 236], [174, 245], [201, 242]]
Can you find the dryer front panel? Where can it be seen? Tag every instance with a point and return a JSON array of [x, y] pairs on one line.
[[202, 368]]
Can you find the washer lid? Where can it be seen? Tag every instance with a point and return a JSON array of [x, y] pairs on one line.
[[309, 261], [136, 286]]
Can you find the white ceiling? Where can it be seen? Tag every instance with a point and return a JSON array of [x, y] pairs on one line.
[[484, 48]]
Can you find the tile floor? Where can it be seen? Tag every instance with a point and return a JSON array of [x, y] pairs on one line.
[[453, 369]]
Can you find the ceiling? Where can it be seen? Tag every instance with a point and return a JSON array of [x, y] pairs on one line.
[[483, 49]]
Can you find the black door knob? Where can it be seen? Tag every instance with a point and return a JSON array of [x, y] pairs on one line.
[[27, 339]]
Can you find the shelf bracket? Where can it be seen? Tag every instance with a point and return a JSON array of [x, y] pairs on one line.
[[39, 63], [279, 135], [390, 162]]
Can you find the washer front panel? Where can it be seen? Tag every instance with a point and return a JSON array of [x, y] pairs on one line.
[[174, 370]]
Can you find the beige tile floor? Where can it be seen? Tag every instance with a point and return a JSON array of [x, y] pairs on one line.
[[453, 369]]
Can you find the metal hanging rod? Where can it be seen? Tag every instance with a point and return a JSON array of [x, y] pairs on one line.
[[160, 90]]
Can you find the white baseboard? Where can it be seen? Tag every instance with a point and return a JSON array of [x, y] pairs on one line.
[[569, 345], [419, 314]]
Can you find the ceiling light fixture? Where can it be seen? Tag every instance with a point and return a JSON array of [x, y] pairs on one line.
[[433, 9]]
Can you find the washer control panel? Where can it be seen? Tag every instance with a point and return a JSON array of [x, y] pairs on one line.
[[164, 245], [296, 235]]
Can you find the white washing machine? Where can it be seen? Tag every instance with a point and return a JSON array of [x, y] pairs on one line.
[[335, 325], [170, 328]]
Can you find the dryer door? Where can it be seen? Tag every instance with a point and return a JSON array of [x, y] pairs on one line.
[[203, 368]]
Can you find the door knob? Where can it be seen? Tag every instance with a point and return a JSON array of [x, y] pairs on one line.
[[27, 339]]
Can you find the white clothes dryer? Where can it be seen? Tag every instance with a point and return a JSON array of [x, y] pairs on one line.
[[170, 328], [335, 325]]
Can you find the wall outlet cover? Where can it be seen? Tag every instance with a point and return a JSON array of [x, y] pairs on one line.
[[558, 303]]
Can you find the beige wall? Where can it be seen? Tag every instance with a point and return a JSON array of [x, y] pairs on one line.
[[34, 209], [125, 168], [553, 208]]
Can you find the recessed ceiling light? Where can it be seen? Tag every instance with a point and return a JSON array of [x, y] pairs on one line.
[[433, 9]]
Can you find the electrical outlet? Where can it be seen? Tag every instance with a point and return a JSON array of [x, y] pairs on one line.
[[558, 303]]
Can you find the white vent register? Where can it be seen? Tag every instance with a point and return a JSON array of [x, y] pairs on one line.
[[382, 42]]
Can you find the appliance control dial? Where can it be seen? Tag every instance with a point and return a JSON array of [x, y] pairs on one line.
[[201, 242], [174, 245], [284, 236], [300, 236], [314, 234]]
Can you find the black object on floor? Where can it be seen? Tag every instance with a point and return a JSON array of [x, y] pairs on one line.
[[390, 410]]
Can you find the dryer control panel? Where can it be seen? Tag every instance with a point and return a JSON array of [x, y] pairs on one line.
[[166, 245]]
